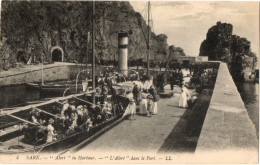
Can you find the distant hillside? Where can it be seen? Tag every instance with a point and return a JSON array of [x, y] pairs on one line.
[[34, 28], [222, 45]]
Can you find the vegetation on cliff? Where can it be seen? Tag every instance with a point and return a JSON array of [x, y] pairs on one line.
[[222, 45], [31, 29]]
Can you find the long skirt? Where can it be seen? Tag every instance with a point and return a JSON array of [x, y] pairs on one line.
[[143, 107], [130, 109], [183, 101], [49, 137], [154, 108]]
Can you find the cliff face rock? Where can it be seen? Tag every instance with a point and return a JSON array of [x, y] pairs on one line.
[[222, 45], [31, 30]]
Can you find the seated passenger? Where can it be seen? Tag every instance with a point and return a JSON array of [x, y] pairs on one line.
[[34, 116], [80, 115], [74, 118], [89, 123], [106, 112], [64, 110], [104, 92]]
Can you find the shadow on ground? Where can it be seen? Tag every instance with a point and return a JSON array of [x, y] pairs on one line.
[[184, 136]]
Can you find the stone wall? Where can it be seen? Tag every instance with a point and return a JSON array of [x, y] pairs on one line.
[[227, 127], [50, 74]]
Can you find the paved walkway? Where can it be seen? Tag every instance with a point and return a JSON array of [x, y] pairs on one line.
[[143, 134]]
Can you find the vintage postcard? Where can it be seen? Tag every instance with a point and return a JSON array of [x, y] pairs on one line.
[[129, 82]]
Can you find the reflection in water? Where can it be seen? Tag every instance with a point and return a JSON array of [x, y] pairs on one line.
[[18, 95], [250, 96]]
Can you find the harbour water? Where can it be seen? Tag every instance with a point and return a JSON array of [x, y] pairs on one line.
[[250, 95]]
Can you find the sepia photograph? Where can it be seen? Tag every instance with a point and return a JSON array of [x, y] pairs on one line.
[[129, 82]]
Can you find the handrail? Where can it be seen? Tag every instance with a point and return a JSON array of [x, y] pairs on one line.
[[121, 75], [83, 100], [18, 118], [65, 91], [48, 113], [77, 79]]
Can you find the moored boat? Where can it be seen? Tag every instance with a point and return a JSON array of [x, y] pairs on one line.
[[57, 87], [19, 135]]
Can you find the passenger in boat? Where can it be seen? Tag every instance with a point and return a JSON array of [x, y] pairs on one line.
[[55, 110], [67, 124], [98, 111], [98, 119], [64, 109], [106, 112], [104, 92], [34, 116], [74, 117], [51, 135], [185, 95], [85, 112], [89, 123], [80, 115]]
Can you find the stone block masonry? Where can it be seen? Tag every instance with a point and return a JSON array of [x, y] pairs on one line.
[[33, 73], [228, 131]]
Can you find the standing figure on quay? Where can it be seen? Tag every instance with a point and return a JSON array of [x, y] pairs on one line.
[[155, 99], [131, 108], [185, 95]]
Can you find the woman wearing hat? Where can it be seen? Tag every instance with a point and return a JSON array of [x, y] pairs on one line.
[[185, 94], [50, 129]]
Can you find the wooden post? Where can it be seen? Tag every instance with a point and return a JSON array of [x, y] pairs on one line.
[[93, 50]]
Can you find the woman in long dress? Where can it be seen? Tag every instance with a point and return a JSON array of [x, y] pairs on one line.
[[130, 109], [155, 98], [143, 104], [185, 94], [50, 129]]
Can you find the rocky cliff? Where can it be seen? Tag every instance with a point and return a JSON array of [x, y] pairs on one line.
[[222, 45], [32, 30]]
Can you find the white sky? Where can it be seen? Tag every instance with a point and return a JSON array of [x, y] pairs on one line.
[[186, 23]]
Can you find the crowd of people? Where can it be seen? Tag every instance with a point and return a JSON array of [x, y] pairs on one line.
[[71, 116], [143, 97], [68, 118]]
